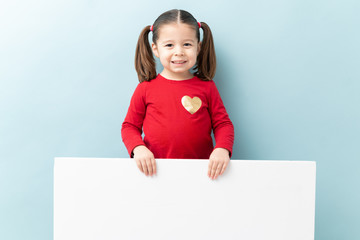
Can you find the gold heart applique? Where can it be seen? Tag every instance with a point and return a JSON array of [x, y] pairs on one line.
[[191, 104]]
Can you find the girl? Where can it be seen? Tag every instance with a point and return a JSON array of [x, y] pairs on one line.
[[177, 109]]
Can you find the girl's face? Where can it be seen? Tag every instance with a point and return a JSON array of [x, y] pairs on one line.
[[177, 47]]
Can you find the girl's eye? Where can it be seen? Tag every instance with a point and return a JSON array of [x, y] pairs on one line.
[[168, 45], [187, 44]]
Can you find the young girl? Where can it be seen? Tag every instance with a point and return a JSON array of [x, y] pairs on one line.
[[177, 109]]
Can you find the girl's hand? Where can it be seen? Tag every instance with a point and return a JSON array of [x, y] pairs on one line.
[[145, 160], [219, 159]]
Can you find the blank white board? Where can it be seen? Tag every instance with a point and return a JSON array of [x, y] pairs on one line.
[[109, 198]]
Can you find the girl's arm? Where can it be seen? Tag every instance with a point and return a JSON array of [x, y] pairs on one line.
[[223, 132], [131, 129]]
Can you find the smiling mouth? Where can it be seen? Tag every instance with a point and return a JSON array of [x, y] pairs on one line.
[[178, 62]]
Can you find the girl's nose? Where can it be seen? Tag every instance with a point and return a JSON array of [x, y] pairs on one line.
[[179, 51]]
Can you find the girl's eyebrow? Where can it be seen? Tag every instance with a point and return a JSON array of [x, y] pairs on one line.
[[166, 41], [189, 40], [185, 40]]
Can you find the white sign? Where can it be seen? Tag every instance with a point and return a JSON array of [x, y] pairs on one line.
[[109, 198]]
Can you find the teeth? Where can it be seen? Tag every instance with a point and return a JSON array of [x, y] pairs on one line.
[[179, 61]]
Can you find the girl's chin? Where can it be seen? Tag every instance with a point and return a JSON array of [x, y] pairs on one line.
[[178, 75]]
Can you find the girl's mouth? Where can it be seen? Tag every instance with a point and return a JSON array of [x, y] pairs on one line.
[[178, 62]]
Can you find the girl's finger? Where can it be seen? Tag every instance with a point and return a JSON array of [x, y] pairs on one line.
[[224, 167], [218, 169], [210, 167], [213, 169], [149, 166], [143, 164]]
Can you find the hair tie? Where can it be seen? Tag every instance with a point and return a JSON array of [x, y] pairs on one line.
[[199, 24], [152, 28]]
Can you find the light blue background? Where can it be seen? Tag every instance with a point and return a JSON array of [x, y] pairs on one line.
[[288, 72]]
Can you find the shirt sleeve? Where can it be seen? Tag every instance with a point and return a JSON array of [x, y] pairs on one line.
[[131, 129], [221, 123]]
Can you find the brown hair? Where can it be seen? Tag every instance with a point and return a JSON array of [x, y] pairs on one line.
[[144, 59]]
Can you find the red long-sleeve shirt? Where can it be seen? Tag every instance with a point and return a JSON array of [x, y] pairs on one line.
[[177, 118]]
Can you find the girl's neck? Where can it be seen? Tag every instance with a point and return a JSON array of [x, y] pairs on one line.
[[177, 77]]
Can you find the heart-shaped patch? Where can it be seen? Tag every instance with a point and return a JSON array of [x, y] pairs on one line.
[[191, 104]]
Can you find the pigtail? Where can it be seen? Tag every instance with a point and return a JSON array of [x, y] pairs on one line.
[[206, 60], [144, 59]]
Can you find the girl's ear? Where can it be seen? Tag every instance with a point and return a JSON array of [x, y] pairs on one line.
[[155, 50], [199, 48]]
